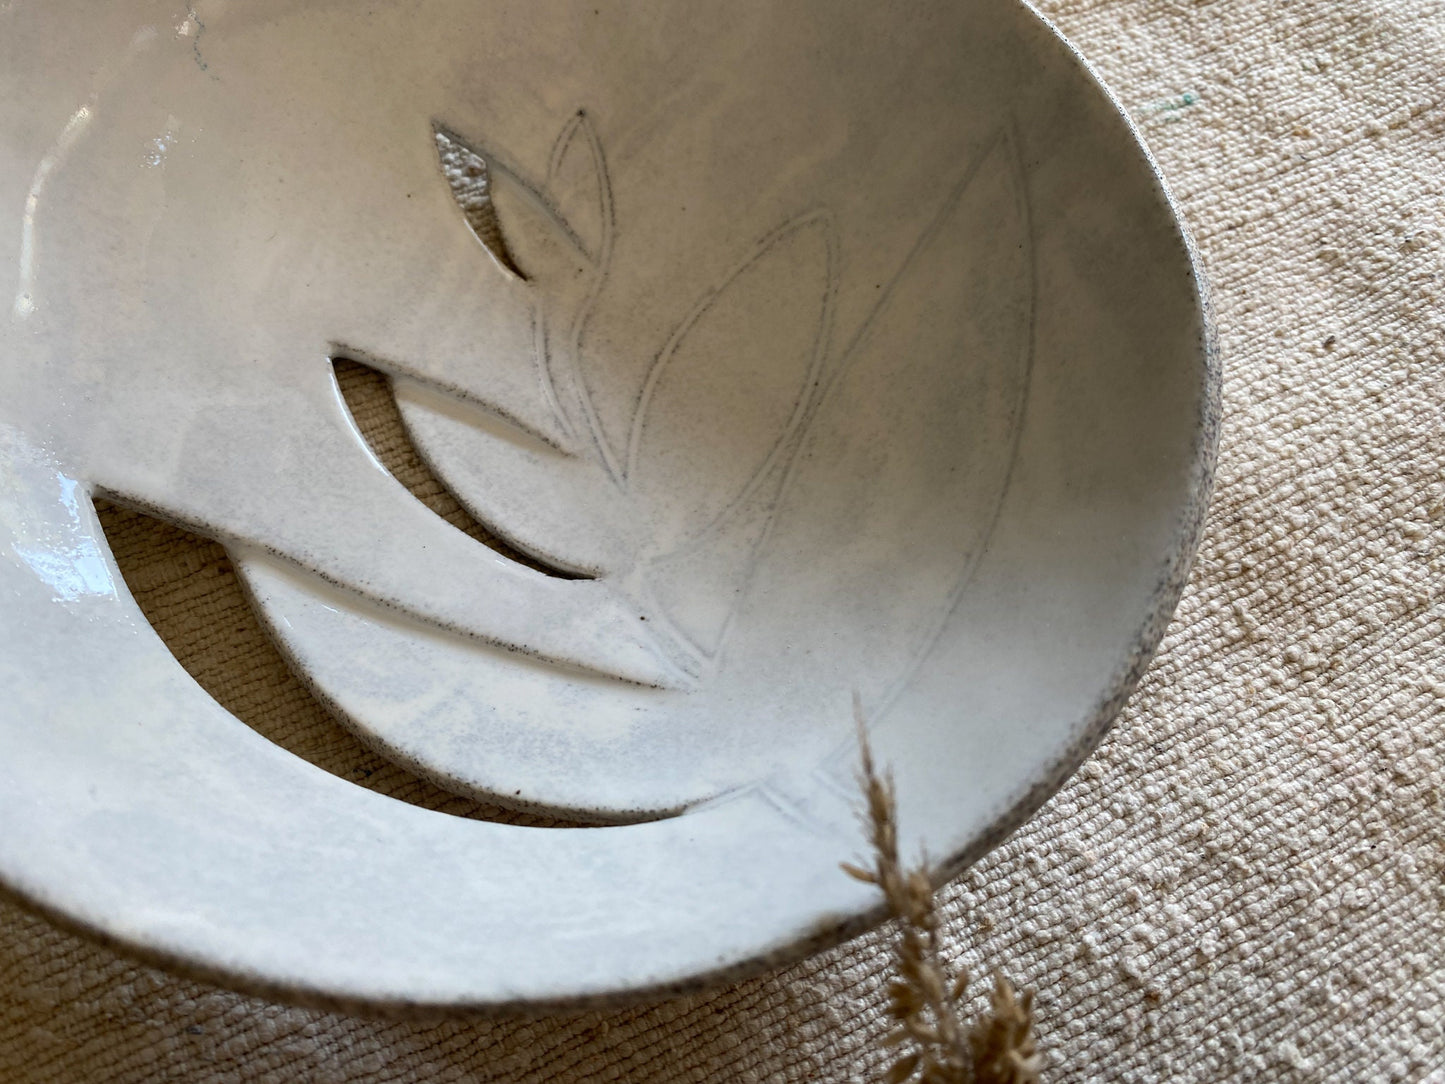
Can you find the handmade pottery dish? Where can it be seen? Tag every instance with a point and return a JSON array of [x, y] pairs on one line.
[[802, 352]]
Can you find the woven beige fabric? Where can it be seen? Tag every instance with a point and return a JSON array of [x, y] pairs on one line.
[[1247, 881]]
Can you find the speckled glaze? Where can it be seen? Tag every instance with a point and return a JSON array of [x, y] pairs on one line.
[[807, 354]]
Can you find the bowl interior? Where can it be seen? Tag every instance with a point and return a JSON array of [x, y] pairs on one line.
[[802, 355]]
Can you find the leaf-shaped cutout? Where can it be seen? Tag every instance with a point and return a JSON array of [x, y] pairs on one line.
[[517, 222], [372, 403], [525, 231], [560, 509], [579, 187], [353, 526], [733, 383], [470, 176], [164, 566]]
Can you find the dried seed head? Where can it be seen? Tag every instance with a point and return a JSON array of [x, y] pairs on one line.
[[903, 1068], [1000, 1047], [1003, 1044], [960, 986]]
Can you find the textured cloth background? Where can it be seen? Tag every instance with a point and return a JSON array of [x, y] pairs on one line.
[[1247, 881]]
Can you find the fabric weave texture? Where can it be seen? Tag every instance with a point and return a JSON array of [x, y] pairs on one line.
[[1247, 880]]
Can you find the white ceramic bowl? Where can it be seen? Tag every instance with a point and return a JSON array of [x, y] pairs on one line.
[[808, 349]]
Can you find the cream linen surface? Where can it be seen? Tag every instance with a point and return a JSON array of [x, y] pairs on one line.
[[1247, 881]]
